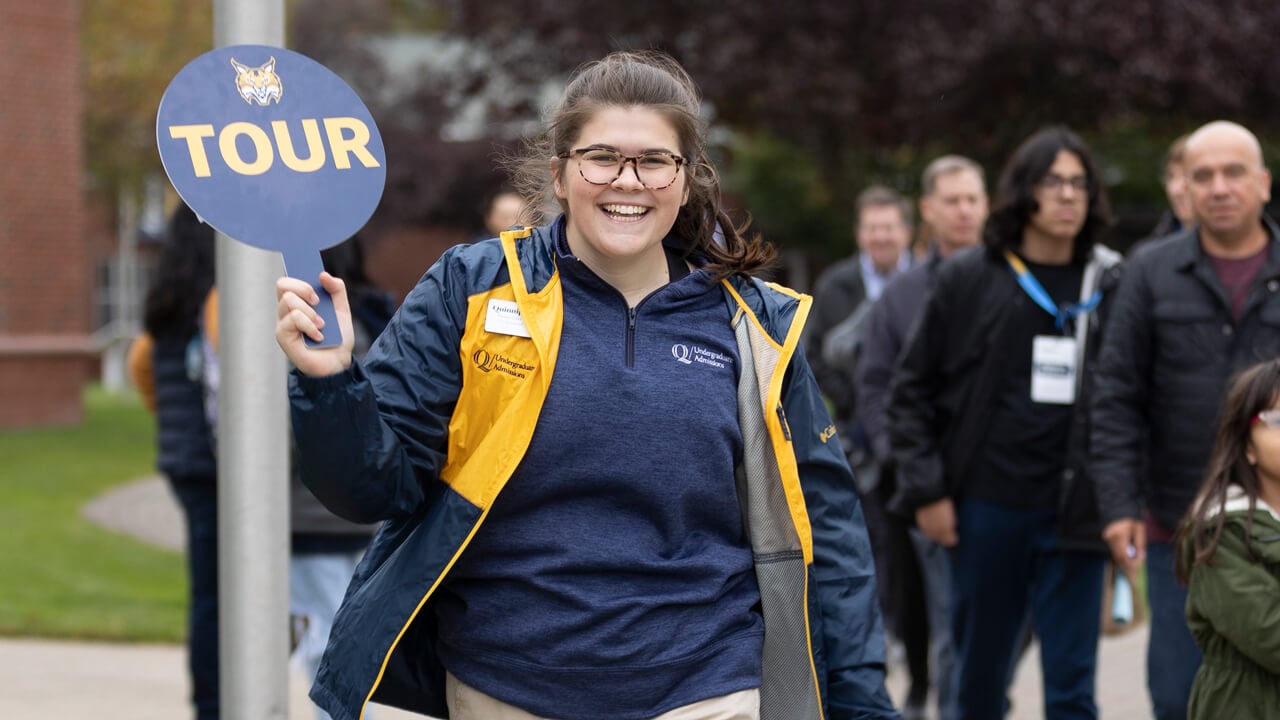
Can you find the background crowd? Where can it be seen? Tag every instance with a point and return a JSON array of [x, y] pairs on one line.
[[1023, 410]]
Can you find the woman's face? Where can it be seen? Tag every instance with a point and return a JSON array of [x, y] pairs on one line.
[[622, 221]]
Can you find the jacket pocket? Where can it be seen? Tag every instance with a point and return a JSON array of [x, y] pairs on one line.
[[1269, 314], [1188, 334], [1265, 344]]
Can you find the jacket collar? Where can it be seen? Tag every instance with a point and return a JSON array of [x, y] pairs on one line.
[[1265, 534], [1189, 251], [1238, 501], [1190, 258], [774, 306]]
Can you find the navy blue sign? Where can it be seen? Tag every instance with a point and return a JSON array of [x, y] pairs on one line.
[[275, 150]]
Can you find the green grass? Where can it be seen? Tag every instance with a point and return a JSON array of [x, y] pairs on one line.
[[61, 575]]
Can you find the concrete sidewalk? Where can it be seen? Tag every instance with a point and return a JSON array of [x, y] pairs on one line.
[[65, 680], [1121, 684], [49, 679]]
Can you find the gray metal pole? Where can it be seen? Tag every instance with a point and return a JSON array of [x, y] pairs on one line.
[[253, 446]]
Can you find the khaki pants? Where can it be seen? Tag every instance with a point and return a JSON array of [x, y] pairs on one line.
[[467, 703]]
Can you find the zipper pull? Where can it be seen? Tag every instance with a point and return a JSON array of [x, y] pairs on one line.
[[786, 428]]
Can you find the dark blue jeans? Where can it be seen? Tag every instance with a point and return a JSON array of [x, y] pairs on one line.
[[199, 500], [1009, 561], [1172, 654]]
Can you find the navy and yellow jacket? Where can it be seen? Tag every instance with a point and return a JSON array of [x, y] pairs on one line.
[[424, 434]]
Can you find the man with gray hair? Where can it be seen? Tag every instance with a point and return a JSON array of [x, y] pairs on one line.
[[1191, 311], [954, 208]]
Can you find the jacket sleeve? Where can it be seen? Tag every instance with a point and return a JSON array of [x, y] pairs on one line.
[[373, 439], [874, 371], [914, 440], [1121, 384], [1241, 599], [852, 642]]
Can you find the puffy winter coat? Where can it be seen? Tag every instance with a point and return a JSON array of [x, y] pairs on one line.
[[1233, 609]]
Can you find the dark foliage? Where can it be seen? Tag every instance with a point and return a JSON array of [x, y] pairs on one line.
[[861, 90]]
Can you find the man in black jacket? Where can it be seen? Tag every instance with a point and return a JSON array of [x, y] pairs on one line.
[[954, 206], [988, 433], [883, 233], [1192, 310]]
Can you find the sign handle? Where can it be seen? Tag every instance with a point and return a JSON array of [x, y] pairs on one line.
[[306, 264]]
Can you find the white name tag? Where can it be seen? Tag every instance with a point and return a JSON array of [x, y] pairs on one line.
[[1053, 370], [503, 318]]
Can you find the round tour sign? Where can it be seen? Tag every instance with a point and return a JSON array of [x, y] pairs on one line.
[[275, 150]]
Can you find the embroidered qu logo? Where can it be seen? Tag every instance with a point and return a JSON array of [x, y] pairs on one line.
[[259, 84], [696, 354], [486, 361]]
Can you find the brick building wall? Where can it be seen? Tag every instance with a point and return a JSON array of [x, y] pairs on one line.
[[46, 354]]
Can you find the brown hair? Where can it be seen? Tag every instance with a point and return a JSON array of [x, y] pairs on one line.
[[1251, 392], [882, 196], [652, 80]]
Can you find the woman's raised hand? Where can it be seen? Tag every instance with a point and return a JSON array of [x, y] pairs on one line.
[[298, 320]]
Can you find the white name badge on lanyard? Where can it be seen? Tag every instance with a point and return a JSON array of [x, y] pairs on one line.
[[1053, 370]]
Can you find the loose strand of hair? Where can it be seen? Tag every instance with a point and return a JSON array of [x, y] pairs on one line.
[[736, 253]]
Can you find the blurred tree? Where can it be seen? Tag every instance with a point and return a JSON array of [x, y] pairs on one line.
[[856, 91], [785, 193], [440, 166], [866, 89], [131, 50]]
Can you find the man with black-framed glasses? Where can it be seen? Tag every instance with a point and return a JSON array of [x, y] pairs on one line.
[[987, 429]]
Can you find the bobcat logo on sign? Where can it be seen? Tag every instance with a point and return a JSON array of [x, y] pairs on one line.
[[258, 84]]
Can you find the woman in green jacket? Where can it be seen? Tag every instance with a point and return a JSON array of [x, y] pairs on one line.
[[1230, 544]]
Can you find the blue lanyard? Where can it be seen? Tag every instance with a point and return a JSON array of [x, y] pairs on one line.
[[1037, 293]]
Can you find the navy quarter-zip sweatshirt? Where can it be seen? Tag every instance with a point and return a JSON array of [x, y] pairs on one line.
[[613, 577]]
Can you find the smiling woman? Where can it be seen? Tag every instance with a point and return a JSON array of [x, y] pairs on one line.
[[589, 512], [616, 227]]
